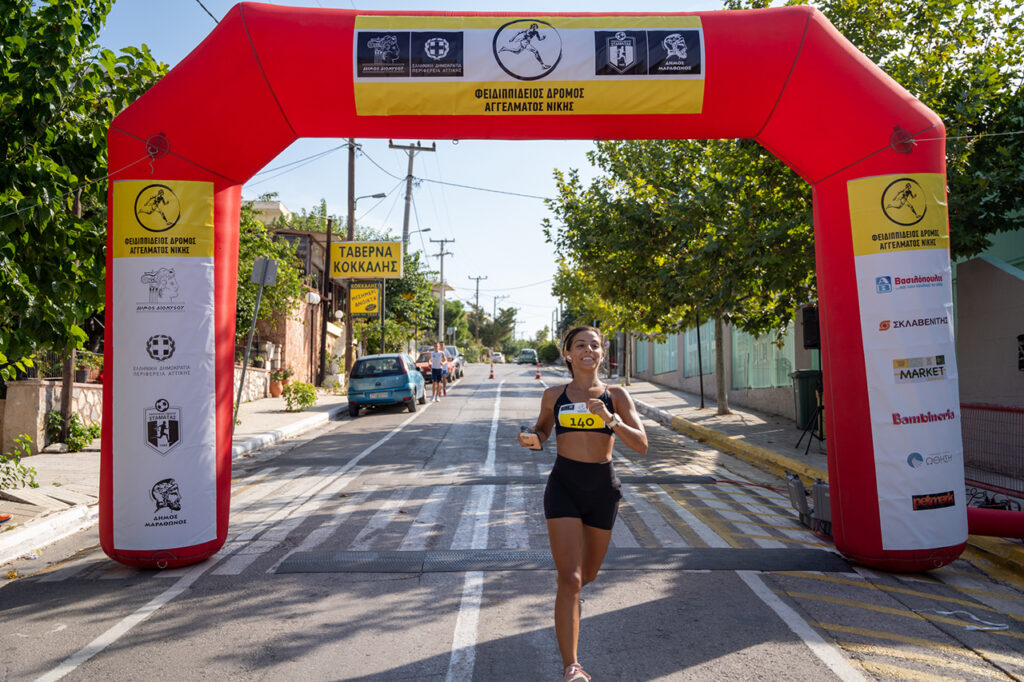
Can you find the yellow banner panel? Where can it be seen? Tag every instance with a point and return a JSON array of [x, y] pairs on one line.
[[890, 213], [364, 298], [366, 260], [160, 218], [390, 23]]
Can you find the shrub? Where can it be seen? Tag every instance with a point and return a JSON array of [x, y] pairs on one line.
[[282, 374], [549, 353], [79, 435], [14, 474], [299, 395]]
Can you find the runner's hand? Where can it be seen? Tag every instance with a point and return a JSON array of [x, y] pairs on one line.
[[597, 406]]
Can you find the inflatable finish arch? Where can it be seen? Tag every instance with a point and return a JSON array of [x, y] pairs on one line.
[[784, 77]]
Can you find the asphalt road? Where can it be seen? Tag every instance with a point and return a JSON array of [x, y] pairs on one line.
[[412, 546]]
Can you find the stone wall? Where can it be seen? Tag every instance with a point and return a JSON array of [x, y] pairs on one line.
[[257, 384], [28, 402]]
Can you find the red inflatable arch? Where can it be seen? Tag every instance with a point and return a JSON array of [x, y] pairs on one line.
[[784, 77]]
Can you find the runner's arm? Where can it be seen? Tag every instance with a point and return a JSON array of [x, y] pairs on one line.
[[631, 431]]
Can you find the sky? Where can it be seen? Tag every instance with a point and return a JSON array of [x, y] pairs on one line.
[[491, 234]]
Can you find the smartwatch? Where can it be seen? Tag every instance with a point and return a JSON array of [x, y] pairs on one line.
[[613, 422]]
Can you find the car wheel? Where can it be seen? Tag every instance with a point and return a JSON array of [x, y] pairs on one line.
[[412, 405], [423, 396], [353, 410]]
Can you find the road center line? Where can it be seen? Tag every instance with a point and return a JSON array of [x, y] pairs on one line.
[[492, 440]]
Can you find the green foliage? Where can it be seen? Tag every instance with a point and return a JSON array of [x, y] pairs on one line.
[[282, 374], [299, 395], [14, 474], [58, 94], [549, 353], [79, 435], [256, 241]]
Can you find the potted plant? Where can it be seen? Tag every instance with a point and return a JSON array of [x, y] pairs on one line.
[[84, 364], [258, 361], [286, 375]]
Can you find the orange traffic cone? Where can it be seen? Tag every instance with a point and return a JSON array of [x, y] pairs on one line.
[[492, 371], [538, 371]]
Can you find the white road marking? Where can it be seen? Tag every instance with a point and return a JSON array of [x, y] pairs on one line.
[[663, 532], [425, 525], [379, 521], [827, 653], [492, 439]]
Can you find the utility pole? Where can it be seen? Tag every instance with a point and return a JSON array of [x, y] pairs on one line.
[[440, 303], [351, 237], [494, 313], [325, 305], [477, 318], [411, 149]]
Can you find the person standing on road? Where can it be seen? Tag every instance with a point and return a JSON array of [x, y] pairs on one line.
[[437, 363], [582, 496], [445, 371]]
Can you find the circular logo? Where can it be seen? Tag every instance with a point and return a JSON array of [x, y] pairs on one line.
[[436, 48], [915, 460], [160, 347], [161, 405], [527, 49], [157, 208], [904, 202]]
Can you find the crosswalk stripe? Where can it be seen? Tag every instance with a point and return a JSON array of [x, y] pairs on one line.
[[424, 526], [379, 521]]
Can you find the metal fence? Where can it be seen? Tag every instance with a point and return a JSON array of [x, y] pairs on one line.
[[993, 438]]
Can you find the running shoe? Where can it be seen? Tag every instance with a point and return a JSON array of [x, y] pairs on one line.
[[574, 673], [4, 518]]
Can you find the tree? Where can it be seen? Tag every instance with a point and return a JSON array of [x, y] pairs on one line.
[[58, 94], [256, 241]]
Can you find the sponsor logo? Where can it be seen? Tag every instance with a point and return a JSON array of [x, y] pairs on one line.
[[436, 54], [922, 418], [621, 52], [527, 49], [915, 370], [915, 460], [160, 347], [886, 325], [157, 208], [933, 501], [163, 426], [163, 290], [904, 202], [888, 283], [166, 495]]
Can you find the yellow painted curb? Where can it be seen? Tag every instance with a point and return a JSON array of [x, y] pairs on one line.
[[763, 458]]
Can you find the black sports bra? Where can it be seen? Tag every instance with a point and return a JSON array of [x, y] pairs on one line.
[[571, 416]]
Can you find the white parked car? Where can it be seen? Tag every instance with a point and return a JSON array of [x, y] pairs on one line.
[[497, 357]]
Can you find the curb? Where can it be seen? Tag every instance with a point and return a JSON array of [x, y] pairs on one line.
[[262, 440], [763, 458], [46, 530]]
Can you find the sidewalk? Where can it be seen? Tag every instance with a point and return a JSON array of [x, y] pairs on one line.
[[768, 441], [66, 500]]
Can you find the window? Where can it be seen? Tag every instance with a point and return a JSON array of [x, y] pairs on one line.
[[759, 363], [665, 355], [707, 350], [642, 346]]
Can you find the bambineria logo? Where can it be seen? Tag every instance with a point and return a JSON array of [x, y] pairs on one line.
[[923, 418], [914, 370], [933, 501]]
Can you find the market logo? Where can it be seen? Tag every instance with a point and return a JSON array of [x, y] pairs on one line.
[[527, 49], [904, 202], [883, 285], [933, 501], [166, 495], [887, 284], [922, 418], [886, 325], [916, 370], [160, 347], [157, 208], [163, 426]]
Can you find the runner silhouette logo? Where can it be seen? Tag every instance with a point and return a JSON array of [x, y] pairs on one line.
[[527, 49], [904, 202], [157, 208]]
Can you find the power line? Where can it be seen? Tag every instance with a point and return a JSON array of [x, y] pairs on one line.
[[524, 286], [208, 12]]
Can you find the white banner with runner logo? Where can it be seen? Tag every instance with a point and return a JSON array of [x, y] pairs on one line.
[[901, 248], [164, 437]]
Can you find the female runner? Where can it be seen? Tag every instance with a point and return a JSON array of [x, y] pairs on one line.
[[582, 496]]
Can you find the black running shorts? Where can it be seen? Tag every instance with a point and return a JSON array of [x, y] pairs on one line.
[[583, 490]]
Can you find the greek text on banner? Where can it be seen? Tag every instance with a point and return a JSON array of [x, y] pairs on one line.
[[890, 213], [163, 218]]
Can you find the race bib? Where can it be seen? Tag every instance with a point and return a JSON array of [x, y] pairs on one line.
[[577, 416]]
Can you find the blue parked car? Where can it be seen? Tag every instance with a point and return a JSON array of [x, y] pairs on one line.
[[387, 379]]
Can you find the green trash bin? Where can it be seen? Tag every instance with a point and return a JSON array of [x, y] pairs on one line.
[[805, 383]]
